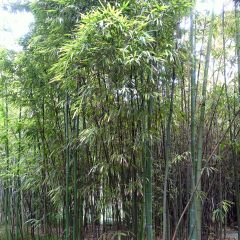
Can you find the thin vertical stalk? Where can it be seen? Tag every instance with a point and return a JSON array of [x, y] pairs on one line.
[[75, 214], [197, 199], [149, 206], [192, 228], [236, 164], [18, 198], [67, 168], [168, 157], [7, 187]]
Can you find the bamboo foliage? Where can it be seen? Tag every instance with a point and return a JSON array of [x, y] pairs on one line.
[[114, 125]]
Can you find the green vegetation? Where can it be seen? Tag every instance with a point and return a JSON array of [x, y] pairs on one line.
[[120, 120]]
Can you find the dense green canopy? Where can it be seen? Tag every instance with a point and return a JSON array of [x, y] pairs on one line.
[[120, 120]]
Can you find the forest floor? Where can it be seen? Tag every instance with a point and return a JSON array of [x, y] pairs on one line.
[[231, 235]]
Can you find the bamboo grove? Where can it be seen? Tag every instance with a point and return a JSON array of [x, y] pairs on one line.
[[120, 120]]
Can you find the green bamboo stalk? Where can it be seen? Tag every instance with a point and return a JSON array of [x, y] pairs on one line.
[[148, 191], [197, 199], [7, 189], [18, 213], [148, 161], [75, 185], [192, 224], [168, 157], [236, 165], [67, 169]]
